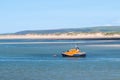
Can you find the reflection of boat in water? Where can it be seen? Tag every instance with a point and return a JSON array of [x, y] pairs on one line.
[[75, 52]]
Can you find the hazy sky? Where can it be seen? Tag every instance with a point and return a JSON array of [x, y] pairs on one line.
[[17, 15]]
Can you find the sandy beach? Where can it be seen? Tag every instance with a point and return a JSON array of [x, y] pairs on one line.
[[62, 36]]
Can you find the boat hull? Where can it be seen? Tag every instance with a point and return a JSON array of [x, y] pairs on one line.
[[75, 55]]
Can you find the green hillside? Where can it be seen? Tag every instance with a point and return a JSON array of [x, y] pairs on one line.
[[88, 29]]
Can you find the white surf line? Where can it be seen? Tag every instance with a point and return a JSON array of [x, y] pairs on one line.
[[103, 41], [39, 42], [106, 45]]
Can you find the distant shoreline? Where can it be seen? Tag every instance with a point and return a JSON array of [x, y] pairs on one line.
[[65, 36], [63, 39]]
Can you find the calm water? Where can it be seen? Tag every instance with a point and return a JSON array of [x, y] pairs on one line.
[[20, 60]]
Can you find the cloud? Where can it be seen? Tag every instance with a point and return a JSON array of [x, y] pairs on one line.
[[113, 23], [117, 22], [107, 25]]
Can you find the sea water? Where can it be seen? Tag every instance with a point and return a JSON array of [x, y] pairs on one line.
[[42, 60]]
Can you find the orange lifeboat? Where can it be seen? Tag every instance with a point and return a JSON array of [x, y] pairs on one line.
[[75, 52]]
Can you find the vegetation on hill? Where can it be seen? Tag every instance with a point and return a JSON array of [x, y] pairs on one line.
[[107, 29]]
